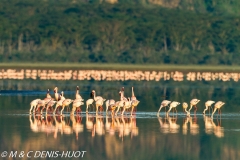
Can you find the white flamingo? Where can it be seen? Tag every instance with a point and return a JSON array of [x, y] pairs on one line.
[[99, 103], [218, 106], [92, 99], [122, 95], [134, 103], [78, 96], [65, 103], [48, 96], [127, 104], [50, 104], [33, 105], [120, 104], [56, 94], [60, 102], [193, 102], [76, 105], [109, 102], [133, 96], [96, 97], [208, 105], [185, 106], [42, 103], [174, 104], [164, 103]]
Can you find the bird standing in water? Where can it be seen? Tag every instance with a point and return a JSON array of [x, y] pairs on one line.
[[218, 106], [208, 105]]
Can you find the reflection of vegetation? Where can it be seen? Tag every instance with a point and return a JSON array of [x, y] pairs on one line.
[[140, 31]]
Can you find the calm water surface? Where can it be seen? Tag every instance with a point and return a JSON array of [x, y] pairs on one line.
[[143, 136]]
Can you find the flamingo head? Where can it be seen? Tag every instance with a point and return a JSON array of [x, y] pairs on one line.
[[55, 90]]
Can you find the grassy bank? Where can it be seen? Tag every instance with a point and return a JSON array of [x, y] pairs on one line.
[[117, 66]]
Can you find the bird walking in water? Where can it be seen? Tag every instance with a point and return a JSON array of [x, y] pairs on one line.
[[218, 106], [164, 103], [208, 105], [194, 103], [185, 105], [174, 104]]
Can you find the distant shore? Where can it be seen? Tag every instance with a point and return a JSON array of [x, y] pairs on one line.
[[102, 66]]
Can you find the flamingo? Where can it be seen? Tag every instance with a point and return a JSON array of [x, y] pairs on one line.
[[164, 103], [122, 95], [120, 104], [134, 104], [109, 102], [111, 108], [50, 104], [60, 102], [208, 105], [76, 105], [99, 103], [92, 99], [174, 104], [62, 96], [78, 96], [56, 94], [218, 106], [48, 96], [133, 96], [65, 103], [88, 103], [33, 105], [185, 105], [127, 104], [193, 102], [93, 94], [42, 103]]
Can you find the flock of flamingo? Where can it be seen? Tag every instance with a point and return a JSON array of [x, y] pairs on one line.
[[193, 102], [114, 75], [38, 105]]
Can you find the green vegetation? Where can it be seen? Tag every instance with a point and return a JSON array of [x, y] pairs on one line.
[[107, 66], [133, 32]]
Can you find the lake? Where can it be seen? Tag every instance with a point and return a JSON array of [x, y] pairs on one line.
[[145, 135]]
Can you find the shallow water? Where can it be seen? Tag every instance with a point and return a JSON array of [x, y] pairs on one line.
[[145, 135]]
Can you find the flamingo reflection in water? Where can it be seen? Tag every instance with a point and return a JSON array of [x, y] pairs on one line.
[[169, 125], [193, 125], [35, 123], [41, 124], [211, 127], [61, 126], [164, 125], [77, 125], [98, 127]]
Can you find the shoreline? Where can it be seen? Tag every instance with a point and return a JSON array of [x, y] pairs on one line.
[[130, 67]]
